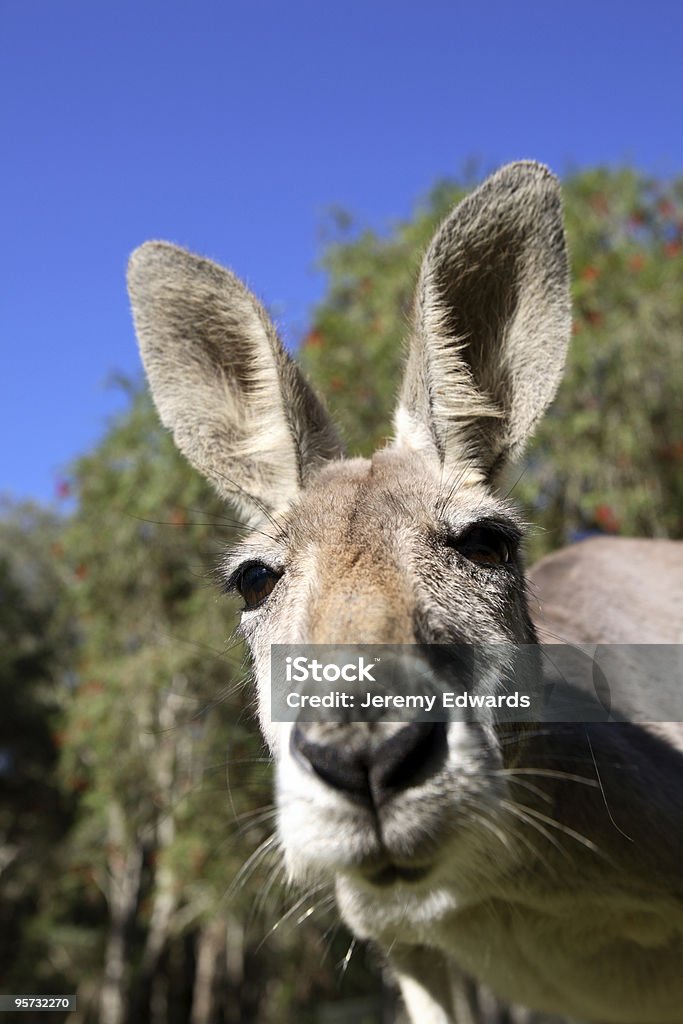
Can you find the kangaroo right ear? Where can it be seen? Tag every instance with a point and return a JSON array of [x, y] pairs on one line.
[[239, 408], [492, 323]]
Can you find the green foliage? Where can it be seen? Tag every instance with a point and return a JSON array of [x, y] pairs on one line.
[[156, 712], [610, 453], [36, 648]]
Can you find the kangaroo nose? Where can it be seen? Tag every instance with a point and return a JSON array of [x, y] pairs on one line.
[[367, 766]]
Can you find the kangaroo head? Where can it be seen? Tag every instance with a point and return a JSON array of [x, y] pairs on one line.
[[414, 545]]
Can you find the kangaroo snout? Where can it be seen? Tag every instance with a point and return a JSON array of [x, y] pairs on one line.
[[372, 762]]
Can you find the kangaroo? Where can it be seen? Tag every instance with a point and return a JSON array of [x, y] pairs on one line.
[[545, 863]]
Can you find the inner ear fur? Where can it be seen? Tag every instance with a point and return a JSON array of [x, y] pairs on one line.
[[491, 324]]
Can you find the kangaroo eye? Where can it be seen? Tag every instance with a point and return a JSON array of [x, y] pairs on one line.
[[485, 545], [255, 583]]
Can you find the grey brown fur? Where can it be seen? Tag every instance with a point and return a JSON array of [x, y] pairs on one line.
[[544, 864]]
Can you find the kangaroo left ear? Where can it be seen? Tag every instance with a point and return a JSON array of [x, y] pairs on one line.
[[239, 408], [492, 321]]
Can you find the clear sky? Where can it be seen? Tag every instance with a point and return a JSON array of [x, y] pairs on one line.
[[232, 127]]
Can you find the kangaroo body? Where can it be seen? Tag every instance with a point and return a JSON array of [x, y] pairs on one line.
[[544, 863]]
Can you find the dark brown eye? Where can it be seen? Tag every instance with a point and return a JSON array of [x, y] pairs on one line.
[[485, 545], [255, 583]]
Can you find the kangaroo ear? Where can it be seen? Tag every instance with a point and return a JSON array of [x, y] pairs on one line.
[[492, 321], [239, 408]]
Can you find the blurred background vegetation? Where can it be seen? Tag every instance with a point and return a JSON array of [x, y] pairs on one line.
[[137, 865]]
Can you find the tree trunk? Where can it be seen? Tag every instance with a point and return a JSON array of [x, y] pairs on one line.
[[125, 869], [209, 971], [163, 753], [234, 970]]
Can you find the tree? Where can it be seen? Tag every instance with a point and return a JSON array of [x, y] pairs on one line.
[[148, 714], [36, 647]]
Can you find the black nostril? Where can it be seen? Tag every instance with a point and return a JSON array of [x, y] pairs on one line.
[[372, 772], [343, 769], [408, 758]]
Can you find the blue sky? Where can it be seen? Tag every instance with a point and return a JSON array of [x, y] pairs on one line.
[[231, 128]]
